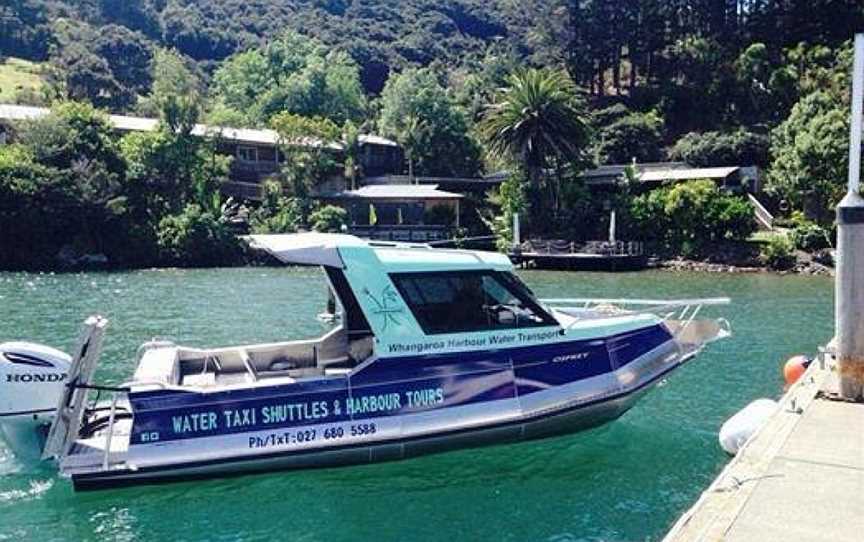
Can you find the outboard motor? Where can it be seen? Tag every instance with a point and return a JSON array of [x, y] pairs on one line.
[[32, 377]]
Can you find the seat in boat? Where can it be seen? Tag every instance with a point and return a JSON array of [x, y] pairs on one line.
[[330, 355]]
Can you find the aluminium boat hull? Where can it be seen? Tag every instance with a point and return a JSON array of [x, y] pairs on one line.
[[550, 409]]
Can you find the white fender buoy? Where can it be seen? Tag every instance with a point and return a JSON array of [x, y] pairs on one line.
[[740, 427]]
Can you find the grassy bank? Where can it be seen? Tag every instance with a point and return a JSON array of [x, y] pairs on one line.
[[17, 75]]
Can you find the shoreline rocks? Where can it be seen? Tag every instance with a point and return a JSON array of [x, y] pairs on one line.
[[681, 264], [807, 267]]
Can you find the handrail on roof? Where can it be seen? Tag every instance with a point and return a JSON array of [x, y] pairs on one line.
[[657, 302]]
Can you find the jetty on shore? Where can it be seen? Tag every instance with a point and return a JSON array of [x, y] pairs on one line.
[[799, 478], [589, 256]]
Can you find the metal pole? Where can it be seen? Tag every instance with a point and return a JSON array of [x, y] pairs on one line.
[[849, 285], [855, 125], [516, 240]]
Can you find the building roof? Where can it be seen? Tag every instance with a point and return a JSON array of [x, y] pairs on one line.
[[399, 191], [686, 174], [141, 124], [616, 170], [655, 172], [458, 183]]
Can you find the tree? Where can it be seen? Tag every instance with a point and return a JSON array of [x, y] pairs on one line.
[[329, 219], [277, 213], [351, 149], [509, 199], [196, 238], [35, 204], [176, 86], [417, 111], [69, 168], [809, 155], [635, 136], [309, 147], [412, 138], [538, 122], [108, 68], [129, 55], [711, 149], [291, 74], [79, 75], [190, 31], [688, 218]]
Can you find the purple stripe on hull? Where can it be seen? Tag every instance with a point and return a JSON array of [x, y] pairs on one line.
[[386, 387]]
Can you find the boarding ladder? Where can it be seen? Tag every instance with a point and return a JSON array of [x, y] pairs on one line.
[[70, 409]]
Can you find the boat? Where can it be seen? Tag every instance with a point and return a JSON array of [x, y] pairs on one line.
[[433, 350]]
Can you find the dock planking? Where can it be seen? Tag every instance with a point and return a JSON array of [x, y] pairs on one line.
[[799, 478]]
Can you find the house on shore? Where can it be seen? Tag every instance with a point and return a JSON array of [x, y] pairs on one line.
[[255, 152], [387, 207], [400, 212], [654, 174]]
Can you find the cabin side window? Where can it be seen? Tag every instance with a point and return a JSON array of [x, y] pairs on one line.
[[463, 301]]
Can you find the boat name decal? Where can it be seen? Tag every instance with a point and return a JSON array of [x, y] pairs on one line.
[[234, 419], [480, 341]]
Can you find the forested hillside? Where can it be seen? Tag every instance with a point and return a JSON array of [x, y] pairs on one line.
[[543, 89]]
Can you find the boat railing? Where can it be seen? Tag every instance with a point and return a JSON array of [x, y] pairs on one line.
[[117, 393], [684, 310]]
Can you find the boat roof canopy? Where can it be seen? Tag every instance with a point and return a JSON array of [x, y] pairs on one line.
[[305, 248], [339, 250]]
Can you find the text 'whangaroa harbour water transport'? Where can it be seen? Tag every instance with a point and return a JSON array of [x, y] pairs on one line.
[[431, 350]]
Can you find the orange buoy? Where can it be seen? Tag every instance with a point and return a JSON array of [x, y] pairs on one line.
[[794, 368]]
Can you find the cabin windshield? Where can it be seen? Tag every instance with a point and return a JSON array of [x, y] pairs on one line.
[[463, 301]]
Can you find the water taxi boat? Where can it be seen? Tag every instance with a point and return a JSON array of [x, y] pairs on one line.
[[433, 350]]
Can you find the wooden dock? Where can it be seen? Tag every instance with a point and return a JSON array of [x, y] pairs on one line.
[[590, 256], [799, 478]]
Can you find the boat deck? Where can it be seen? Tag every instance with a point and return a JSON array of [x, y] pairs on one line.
[[800, 478]]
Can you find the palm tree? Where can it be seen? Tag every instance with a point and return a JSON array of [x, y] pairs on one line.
[[351, 149], [539, 122], [411, 136]]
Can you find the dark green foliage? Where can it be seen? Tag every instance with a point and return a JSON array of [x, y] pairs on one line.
[[196, 33], [196, 238], [635, 136], [138, 15], [778, 253], [108, 67], [291, 74], [506, 201], [69, 185], [608, 115], [809, 155], [711, 149], [61, 186], [687, 218], [417, 111], [329, 219], [277, 213], [30, 196], [809, 237], [25, 30]]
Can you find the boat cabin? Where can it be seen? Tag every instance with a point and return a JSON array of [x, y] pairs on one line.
[[395, 300]]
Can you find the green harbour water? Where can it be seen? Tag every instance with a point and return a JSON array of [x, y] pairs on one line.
[[627, 481]]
